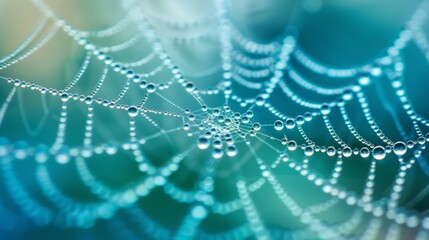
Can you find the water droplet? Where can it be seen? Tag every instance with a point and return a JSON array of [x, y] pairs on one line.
[[331, 151], [245, 119], [199, 212], [143, 84], [347, 152], [62, 156], [217, 143], [410, 144], [221, 119], [309, 151], [376, 71], [249, 114], [151, 88], [217, 153], [133, 111], [88, 100], [228, 121], [347, 95], [231, 151], [189, 87], [308, 117], [290, 123], [111, 148], [64, 97], [399, 148], [4, 146], [364, 152], [256, 126], [299, 120], [379, 153], [278, 125], [86, 151], [216, 112], [229, 141], [191, 117], [364, 79], [325, 109], [41, 153], [259, 101], [136, 78], [291, 145], [21, 148], [421, 140], [203, 143]]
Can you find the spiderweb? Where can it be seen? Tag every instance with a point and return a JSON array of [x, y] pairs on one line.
[[242, 142]]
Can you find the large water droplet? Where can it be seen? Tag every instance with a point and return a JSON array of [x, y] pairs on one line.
[[364, 152], [347, 152], [309, 151], [231, 151], [399, 148], [278, 125], [203, 143], [325, 109], [291, 145], [189, 87], [217, 153], [331, 151], [64, 97], [151, 88], [290, 123], [133, 111], [256, 126], [259, 101], [379, 153]]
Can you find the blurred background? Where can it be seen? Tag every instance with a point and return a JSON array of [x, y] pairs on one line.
[[337, 33]]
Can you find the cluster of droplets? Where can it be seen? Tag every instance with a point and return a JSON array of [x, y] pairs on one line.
[[219, 128]]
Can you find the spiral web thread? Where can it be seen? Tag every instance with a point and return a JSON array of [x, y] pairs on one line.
[[221, 131]]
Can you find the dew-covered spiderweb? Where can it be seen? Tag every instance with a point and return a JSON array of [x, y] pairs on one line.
[[145, 125]]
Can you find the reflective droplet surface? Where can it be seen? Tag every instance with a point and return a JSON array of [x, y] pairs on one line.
[[231, 151], [133, 111], [364, 152], [259, 101], [299, 120], [347, 152], [151, 88], [325, 109], [217, 153], [399, 148], [290, 123], [278, 125], [203, 143], [291, 145], [379, 153], [309, 151], [330, 151], [256, 126], [189, 87]]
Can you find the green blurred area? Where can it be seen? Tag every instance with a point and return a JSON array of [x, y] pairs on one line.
[[342, 33]]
